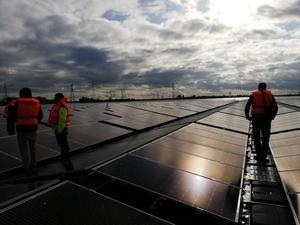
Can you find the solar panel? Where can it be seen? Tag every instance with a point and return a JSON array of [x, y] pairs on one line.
[[285, 142], [226, 121], [194, 190], [68, 203], [7, 162], [295, 198], [286, 150], [288, 163], [291, 180], [199, 150], [285, 135], [193, 164], [94, 133], [214, 133], [286, 122], [220, 145]]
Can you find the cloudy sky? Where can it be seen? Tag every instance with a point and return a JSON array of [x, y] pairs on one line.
[[197, 44]]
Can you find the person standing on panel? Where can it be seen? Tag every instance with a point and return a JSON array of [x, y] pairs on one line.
[[263, 110], [25, 114], [59, 119]]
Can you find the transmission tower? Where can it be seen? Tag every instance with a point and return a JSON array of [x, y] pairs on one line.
[[123, 93], [93, 89], [173, 90], [72, 95]]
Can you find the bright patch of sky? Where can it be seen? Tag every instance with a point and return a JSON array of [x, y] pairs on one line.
[[197, 44]]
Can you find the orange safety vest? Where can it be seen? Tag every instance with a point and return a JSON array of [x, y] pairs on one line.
[[7, 109], [261, 99], [53, 116], [28, 111]]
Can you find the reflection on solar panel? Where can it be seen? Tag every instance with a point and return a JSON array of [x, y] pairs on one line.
[[288, 163], [236, 109], [286, 151], [286, 122], [290, 100], [201, 192], [46, 147], [227, 121], [291, 180], [196, 153], [193, 164]]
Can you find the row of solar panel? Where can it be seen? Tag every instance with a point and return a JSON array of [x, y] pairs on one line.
[[85, 129], [199, 165]]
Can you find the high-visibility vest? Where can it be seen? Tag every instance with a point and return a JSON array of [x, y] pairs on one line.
[[261, 99], [54, 112], [7, 109], [28, 111]]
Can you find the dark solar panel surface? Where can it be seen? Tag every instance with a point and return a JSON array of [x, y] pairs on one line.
[[71, 204], [198, 191]]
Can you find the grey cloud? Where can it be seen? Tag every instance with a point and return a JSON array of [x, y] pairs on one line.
[[162, 78], [197, 25], [291, 11], [61, 63], [51, 27]]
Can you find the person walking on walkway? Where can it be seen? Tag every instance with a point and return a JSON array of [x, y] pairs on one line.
[[263, 110], [59, 119], [25, 115]]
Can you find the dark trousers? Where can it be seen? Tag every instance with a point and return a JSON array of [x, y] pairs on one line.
[[261, 134], [26, 142], [62, 141]]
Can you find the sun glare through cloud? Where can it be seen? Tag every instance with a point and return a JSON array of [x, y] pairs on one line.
[[231, 12]]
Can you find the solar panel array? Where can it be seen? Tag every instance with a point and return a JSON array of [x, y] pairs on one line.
[[93, 123], [200, 165], [285, 148]]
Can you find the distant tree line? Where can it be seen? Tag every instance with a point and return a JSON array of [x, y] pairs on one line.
[[84, 99]]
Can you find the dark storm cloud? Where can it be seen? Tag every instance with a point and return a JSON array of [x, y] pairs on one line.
[[162, 78], [291, 11], [48, 64]]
